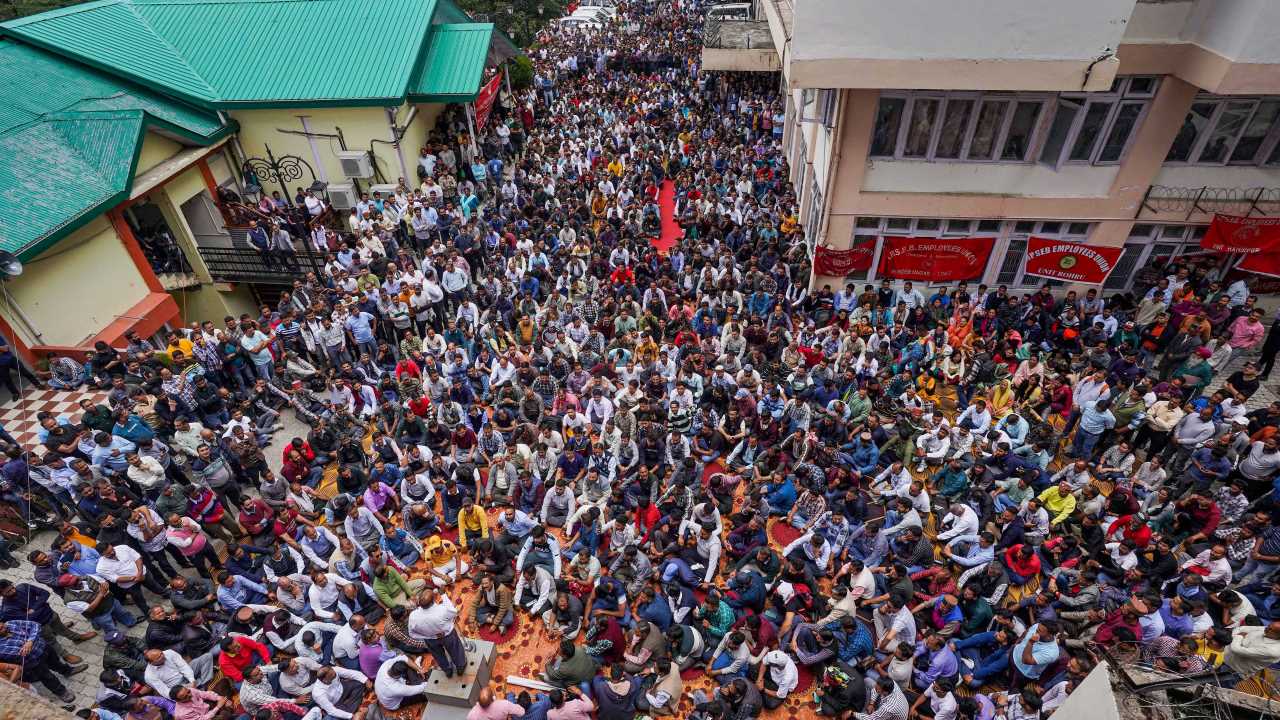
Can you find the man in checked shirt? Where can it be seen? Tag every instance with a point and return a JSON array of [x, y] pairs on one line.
[[21, 644]]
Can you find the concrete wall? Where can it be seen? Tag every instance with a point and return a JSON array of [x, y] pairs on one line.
[[78, 287], [960, 29], [214, 302], [1021, 179], [155, 150], [1242, 30], [259, 128], [416, 135], [973, 44], [1156, 22]]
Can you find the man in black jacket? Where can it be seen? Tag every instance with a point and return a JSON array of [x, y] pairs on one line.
[[191, 594]]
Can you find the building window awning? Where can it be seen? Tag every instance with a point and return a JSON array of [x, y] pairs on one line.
[[452, 67]]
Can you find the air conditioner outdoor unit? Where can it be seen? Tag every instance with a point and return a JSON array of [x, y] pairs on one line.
[[355, 163], [343, 196], [387, 189]]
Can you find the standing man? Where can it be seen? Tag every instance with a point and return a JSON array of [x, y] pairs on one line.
[[433, 623]]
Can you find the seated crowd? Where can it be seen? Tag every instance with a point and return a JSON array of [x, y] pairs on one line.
[[701, 487]]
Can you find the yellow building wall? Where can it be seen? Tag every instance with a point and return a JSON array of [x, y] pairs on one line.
[[155, 150], [416, 136], [209, 302], [185, 186], [76, 288], [359, 125]]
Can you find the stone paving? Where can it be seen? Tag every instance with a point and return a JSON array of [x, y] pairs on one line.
[[85, 684]]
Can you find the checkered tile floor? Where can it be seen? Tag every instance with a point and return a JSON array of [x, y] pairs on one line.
[[18, 416]]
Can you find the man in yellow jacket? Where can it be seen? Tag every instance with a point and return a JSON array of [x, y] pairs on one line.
[[1059, 501], [473, 523]]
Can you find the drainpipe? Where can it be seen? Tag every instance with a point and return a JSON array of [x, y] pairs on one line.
[[17, 310], [395, 142], [315, 151], [833, 167]]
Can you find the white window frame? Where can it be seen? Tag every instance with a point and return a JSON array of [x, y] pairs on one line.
[[1121, 95], [1011, 101], [1220, 104], [1119, 98], [1182, 238]]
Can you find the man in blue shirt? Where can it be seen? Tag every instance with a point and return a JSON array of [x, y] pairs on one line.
[[362, 326], [1095, 419], [109, 453], [1036, 651]]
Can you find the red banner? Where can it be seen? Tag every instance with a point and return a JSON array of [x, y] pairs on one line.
[[1074, 262], [839, 263], [1264, 263], [484, 100], [934, 259], [1233, 234]]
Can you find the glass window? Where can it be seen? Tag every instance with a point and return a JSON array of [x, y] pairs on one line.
[[1123, 271], [1051, 228], [1059, 131], [959, 226], [951, 137], [898, 224], [990, 119], [924, 112], [1192, 125], [1078, 228], [1121, 128], [1231, 122], [1090, 130], [1017, 142], [872, 223], [1142, 86], [1024, 227], [1012, 262], [928, 224], [1255, 133], [888, 119], [986, 226], [1142, 230]]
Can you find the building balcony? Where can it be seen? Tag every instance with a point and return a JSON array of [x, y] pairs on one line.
[[741, 45]]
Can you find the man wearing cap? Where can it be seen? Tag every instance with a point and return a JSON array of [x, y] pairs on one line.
[[92, 598]]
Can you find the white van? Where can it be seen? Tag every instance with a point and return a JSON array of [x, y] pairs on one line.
[[587, 17], [730, 11]]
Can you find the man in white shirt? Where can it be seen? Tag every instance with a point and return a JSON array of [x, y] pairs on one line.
[[328, 691], [781, 678], [978, 417], [392, 682], [323, 594], [433, 622], [534, 590], [122, 566], [166, 670], [346, 643], [960, 520]]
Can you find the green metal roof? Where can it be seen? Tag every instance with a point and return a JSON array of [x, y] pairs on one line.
[[453, 64], [70, 150], [246, 53]]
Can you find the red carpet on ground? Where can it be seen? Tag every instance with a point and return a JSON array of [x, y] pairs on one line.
[[671, 231]]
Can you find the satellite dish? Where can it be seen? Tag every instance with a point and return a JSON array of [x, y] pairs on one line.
[[10, 265]]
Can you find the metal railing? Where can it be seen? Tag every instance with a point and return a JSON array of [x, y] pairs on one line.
[[248, 265]]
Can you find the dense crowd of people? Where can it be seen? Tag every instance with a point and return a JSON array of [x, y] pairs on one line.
[[672, 461]]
